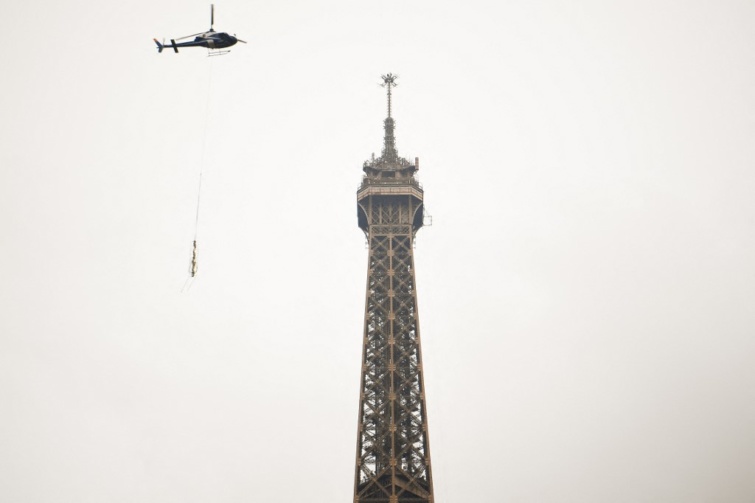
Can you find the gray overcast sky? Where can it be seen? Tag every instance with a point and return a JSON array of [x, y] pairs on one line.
[[586, 290]]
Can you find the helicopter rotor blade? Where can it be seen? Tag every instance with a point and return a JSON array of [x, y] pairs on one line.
[[189, 36], [239, 40], [212, 16]]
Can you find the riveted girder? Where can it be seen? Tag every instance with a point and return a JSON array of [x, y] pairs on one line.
[[393, 452]]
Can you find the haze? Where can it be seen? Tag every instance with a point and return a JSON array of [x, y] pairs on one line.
[[586, 289]]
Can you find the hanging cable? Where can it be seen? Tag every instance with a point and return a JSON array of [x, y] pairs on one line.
[[193, 269]]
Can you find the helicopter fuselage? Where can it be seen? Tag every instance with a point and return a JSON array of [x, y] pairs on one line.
[[214, 40], [210, 40]]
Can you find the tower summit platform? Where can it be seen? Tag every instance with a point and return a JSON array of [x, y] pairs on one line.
[[389, 174]]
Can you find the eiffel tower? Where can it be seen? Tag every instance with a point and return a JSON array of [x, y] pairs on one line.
[[393, 449]]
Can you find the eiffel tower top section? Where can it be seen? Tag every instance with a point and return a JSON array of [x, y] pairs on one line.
[[389, 170]]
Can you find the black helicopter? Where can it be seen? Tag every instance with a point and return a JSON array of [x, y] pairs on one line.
[[211, 39]]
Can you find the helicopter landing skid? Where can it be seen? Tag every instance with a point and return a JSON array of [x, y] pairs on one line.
[[216, 52]]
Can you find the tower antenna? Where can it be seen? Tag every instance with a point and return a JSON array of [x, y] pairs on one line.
[[389, 141], [389, 81]]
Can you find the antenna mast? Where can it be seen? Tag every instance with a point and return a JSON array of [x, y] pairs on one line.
[[389, 81], [389, 141]]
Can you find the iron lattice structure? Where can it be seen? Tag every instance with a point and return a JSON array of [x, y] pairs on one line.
[[393, 449]]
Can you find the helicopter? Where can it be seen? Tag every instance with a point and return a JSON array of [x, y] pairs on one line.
[[213, 40]]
